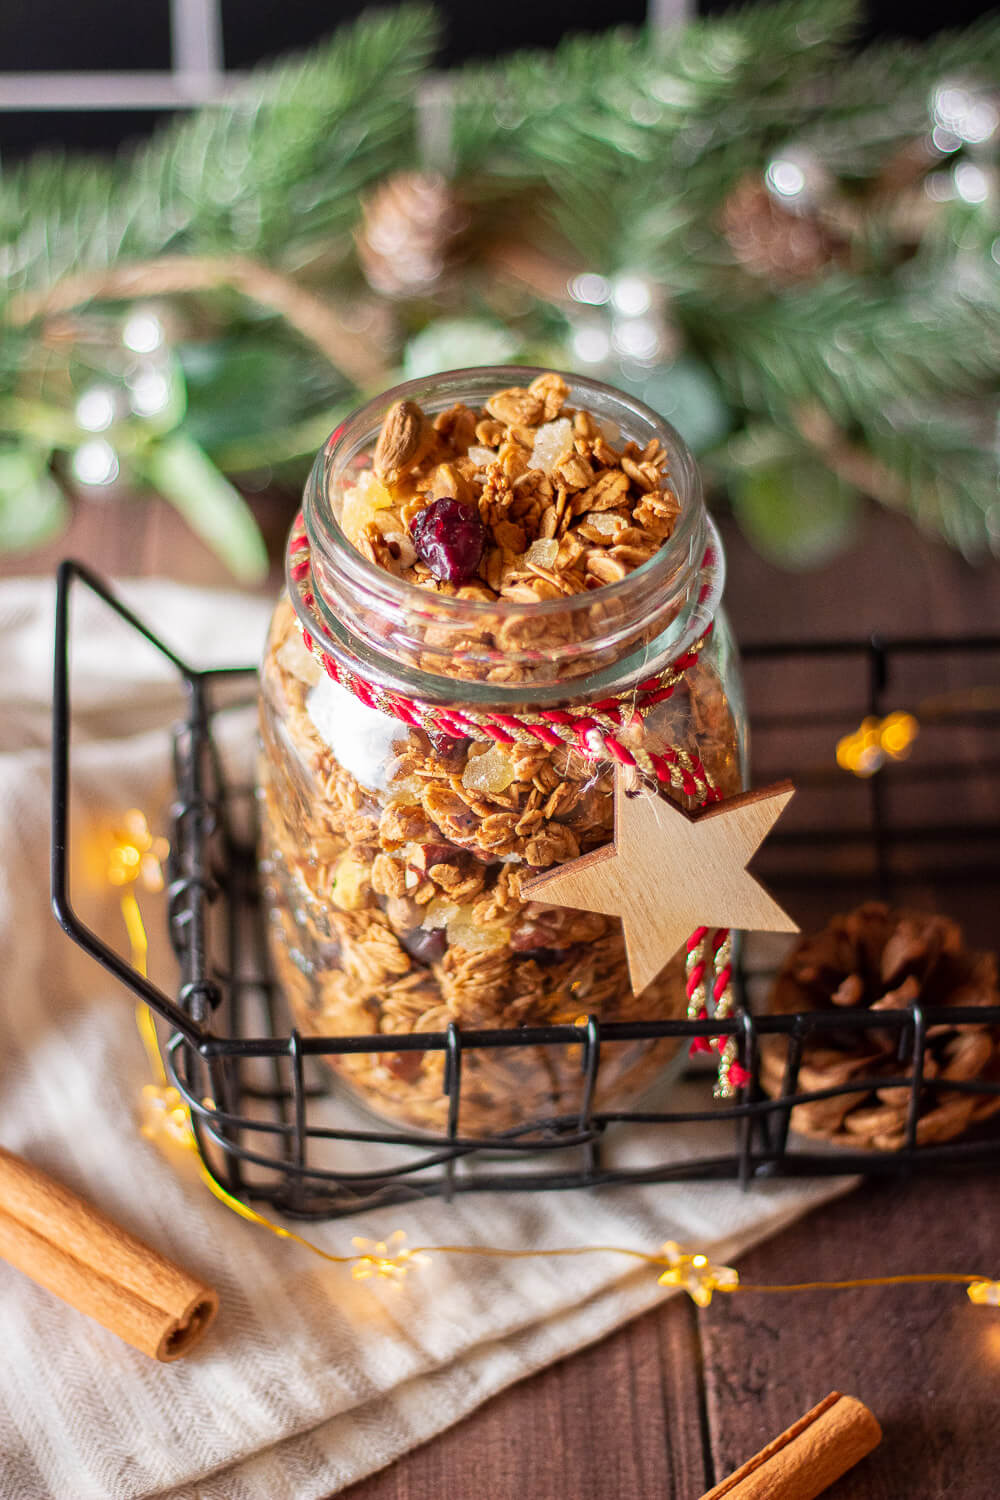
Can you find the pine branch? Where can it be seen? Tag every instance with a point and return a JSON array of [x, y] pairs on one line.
[[264, 173], [949, 478], [873, 383], [845, 344], [880, 100], [613, 122]]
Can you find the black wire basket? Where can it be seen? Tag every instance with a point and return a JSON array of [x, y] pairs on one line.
[[258, 1101]]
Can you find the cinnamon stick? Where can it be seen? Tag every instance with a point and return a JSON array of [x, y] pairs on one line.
[[806, 1458], [88, 1260]]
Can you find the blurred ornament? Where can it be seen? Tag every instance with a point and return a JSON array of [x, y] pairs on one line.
[[409, 231], [143, 332], [777, 227], [621, 326], [797, 180], [454, 343], [795, 511], [974, 183], [97, 408], [963, 113], [95, 464]]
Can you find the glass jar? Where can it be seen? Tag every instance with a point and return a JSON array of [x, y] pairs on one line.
[[392, 861]]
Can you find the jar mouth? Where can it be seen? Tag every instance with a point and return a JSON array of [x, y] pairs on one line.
[[396, 629]]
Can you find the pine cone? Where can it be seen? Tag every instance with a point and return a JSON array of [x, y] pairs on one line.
[[408, 233], [878, 959], [771, 242]]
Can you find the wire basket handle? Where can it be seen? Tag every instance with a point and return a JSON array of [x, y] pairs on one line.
[[194, 683]]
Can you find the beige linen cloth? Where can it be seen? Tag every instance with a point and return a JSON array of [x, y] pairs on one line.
[[309, 1380]]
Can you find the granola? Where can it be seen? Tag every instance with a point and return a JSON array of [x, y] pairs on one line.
[[565, 506], [392, 857]]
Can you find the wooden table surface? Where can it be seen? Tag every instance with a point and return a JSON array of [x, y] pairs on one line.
[[674, 1401]]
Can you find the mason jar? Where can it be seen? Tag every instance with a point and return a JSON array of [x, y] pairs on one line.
[[395, 832]]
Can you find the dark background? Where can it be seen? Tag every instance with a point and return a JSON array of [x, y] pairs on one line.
[[105, 35]]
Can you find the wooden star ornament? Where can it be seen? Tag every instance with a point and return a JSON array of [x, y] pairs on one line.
[[668, 872]]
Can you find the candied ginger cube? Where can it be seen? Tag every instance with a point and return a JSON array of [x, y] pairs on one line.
[[362, 503], [438, 913], [463, 932], [604, 521], [493, 771], [543, 553], [482, 457], [350, 884], [552, 442], [373, 490]]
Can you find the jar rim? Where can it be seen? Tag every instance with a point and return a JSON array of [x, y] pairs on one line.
[[345, 583], [407, 595]]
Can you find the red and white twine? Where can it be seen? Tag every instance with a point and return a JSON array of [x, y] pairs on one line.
[[594, 731]]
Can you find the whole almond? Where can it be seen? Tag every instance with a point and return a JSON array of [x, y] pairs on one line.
[[400, 442]]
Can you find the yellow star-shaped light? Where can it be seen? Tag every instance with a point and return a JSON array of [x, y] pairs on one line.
[[165, 1118], [696, 1274], [135, 854], [668, 872], [388, 1260]]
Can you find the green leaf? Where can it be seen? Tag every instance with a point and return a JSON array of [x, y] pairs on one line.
[[186, 476], [33, 508], [221, 374], [795, 512]]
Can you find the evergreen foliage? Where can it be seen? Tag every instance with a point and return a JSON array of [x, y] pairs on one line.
[[620, 151]]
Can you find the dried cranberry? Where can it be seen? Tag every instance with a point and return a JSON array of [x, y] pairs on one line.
[[450, 537], [404, 1065], [447, 746], [425, 945]]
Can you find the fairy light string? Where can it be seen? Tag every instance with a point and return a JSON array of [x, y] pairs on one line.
[[166, 1120]]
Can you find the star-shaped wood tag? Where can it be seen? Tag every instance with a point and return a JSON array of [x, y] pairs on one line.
[[668, 872]]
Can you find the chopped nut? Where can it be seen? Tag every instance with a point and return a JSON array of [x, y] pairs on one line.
[[388, 876], [448, 482]]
